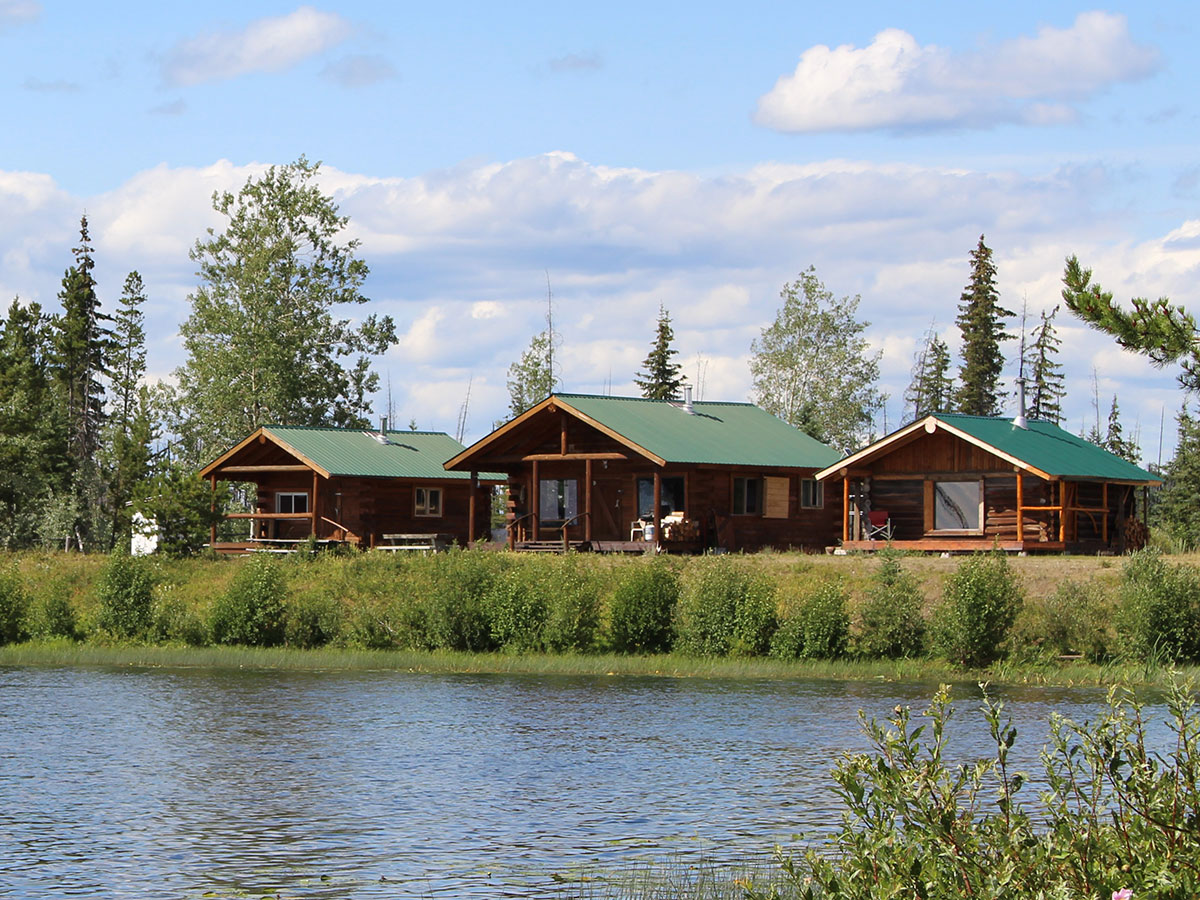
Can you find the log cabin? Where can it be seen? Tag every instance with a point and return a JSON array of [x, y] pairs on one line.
[[628, 474], [951, 482], [355, 486]]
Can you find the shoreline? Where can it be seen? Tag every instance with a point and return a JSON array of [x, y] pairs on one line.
[[1069, 674]]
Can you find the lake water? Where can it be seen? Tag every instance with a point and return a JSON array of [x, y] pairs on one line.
[[174, 783]]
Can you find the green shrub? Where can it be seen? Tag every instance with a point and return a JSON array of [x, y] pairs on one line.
[[396, 622], [14, 607], [890, 624], [643, 606], [460, 616], [572, 606], [724, 608], [1076, 618], [1114, 815], [252, 610], [980, 603], [817, 627], [177, 621], [1159, 612], [518, 606], [55, 617], [313, 621], [126, 593]]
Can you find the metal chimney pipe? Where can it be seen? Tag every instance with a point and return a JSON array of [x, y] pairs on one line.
[[1020, 421], [687, 400]]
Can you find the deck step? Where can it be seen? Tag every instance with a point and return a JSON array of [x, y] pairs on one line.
[[545, 546]]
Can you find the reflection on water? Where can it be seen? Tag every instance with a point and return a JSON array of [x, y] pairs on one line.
[[132, 783]]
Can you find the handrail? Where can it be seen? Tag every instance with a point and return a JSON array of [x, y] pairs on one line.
[[338, 525], [509, 526], [566, 524]]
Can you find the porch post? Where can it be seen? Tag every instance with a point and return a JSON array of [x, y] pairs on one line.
[[1104, 521], [471, 508], [1020, 508], [657, 508], [212, 506], [846, 508], [587, 500], [534, 501], [1062, 512], [313, 511]]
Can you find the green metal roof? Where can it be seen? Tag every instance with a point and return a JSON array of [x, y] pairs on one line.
[[1049, 448], [734, 434], [355, 452]]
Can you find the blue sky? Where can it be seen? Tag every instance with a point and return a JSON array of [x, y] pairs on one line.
[[695, 155]]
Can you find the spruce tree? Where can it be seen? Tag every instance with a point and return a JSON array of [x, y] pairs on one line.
[[33, 445], [931, 388], [81, 344], [1115, 441], [130, 428], [1045, 374], [1178, 507], [661, 377], [980, 319]]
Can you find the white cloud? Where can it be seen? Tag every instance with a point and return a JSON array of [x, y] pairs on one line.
[[18, 12], [897, 83], [266, 45]]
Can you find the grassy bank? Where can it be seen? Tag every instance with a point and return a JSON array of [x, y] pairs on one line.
[[1051, 620], [329, 659]]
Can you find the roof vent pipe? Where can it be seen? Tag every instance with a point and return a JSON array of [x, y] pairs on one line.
[[1020, 421], [687, 400], [382, 436]]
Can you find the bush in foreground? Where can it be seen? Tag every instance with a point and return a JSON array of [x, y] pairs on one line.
[[817, 627], [980, 604], [1117, 815], [252, 611], [1159, 613], [126, 593], [642, 607], [14, 606], [890, 624], [725, 608]]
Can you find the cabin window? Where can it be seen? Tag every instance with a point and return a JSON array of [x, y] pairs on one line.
[[428, 501], [672, 497], [291, 502], [558, 499], [747, 496], [958, 506], [812, 494]]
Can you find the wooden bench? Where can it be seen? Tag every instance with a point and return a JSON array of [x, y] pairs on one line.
[[428, 543]]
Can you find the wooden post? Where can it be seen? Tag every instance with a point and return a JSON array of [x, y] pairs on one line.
[[313, 511], [534, 501], [587, 500], [657, 508], [212, 506], [1020, 508], [1062, 512], [845, 508], [471, 508], [1104, 522], [562, 434]]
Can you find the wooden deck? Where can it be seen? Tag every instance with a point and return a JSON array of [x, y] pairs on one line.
[[959, 545]]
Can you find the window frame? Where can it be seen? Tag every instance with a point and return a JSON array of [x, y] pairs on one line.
[[562, 493], [637, 484], [808, 485], [980, 519], [292, 495], [758, 498], [428, 510]]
